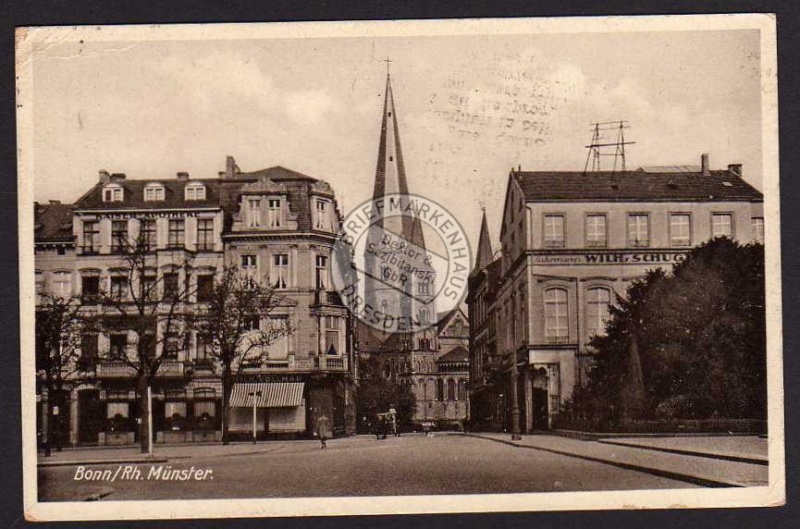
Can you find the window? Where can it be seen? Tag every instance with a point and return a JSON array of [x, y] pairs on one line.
[[321, 221], [253, 212], [205, 287], [424, 286], [554, 231], [112, 193], [274, 213], [333, 331], [203, 346], [153, 192], [451, 389], [91, 236], [177, 233], [119, 235], [597, 303], [90, 289], [119, 288], [596, 233], [172, 409], [148, 288], [556, 329], [322, 272], [424, 317], [89, 350], [280, 270], [114, 409], [462, 390], [279, 348], [62, 284], [118, 347], [148, 233], [195, 192], [722, 225], [249, 262], [172, 344], [758, 229], [204, 407], [252, 323], [638, 230], [440, 389], [205, 234], [680, 229], [171, 287]]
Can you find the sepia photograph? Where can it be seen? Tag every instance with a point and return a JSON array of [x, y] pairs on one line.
[[394, 267]]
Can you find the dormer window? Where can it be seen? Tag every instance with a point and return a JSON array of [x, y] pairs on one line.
[[274, 212], [321, 221], [195, 192], [112, 193], [153, 192]]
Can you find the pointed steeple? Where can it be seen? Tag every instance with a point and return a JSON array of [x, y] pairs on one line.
[[390, 174], [485, 255]]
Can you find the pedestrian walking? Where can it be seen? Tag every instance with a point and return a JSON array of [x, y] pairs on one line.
[[323, 430]]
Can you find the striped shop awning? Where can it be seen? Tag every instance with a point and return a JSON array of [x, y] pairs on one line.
[[273, 394]]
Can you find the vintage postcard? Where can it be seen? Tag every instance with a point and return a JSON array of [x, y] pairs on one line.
[[393, 267]]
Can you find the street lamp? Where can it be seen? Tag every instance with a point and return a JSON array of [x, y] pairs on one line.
[[515, 433], [253, 395]]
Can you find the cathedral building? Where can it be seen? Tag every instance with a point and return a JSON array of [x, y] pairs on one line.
[[429, 355]]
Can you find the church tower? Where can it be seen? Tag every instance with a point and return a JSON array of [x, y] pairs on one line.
[[387, 288]]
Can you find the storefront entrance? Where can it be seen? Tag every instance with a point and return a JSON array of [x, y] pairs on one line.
[[90, 416]]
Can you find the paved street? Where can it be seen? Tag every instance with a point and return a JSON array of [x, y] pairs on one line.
[[412, 464]]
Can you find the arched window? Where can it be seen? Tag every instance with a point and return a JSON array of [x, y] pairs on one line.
[[598, 300], [556, 324], [440, 389], [462, 389], [451, 389]]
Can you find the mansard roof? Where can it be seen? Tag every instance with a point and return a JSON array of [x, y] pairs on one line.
[[52, 222], [133, 195], [638, 185]]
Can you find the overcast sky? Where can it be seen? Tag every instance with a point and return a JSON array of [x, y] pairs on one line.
[[469, 108]]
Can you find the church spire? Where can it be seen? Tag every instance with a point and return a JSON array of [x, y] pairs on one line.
[[390, 173], [485, 255]]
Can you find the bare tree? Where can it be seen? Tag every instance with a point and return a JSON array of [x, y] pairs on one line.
[[59, 330], [237, 328], [146, 296]]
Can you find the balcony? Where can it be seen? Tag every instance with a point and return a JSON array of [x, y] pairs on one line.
[[330, 363], [170, 368], [114, 370]]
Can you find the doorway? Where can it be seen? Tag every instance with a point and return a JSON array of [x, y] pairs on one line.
[[90, 416], [540, 415]]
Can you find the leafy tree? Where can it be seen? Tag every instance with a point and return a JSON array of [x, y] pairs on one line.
[[233, 325], [59, 329], [148, 297], [376, 394], [698, 334]]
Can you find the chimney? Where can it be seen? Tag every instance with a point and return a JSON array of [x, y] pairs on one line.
[[182, 176], [104, 178], [704, 169], [231, 169], [735, 168], [53, 202], [117, 177]]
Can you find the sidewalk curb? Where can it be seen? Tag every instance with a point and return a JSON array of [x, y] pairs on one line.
[[753, 460], [129, 461], [694, 479]]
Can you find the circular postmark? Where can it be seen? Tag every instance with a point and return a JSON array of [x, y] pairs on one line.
[[401, 263]]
